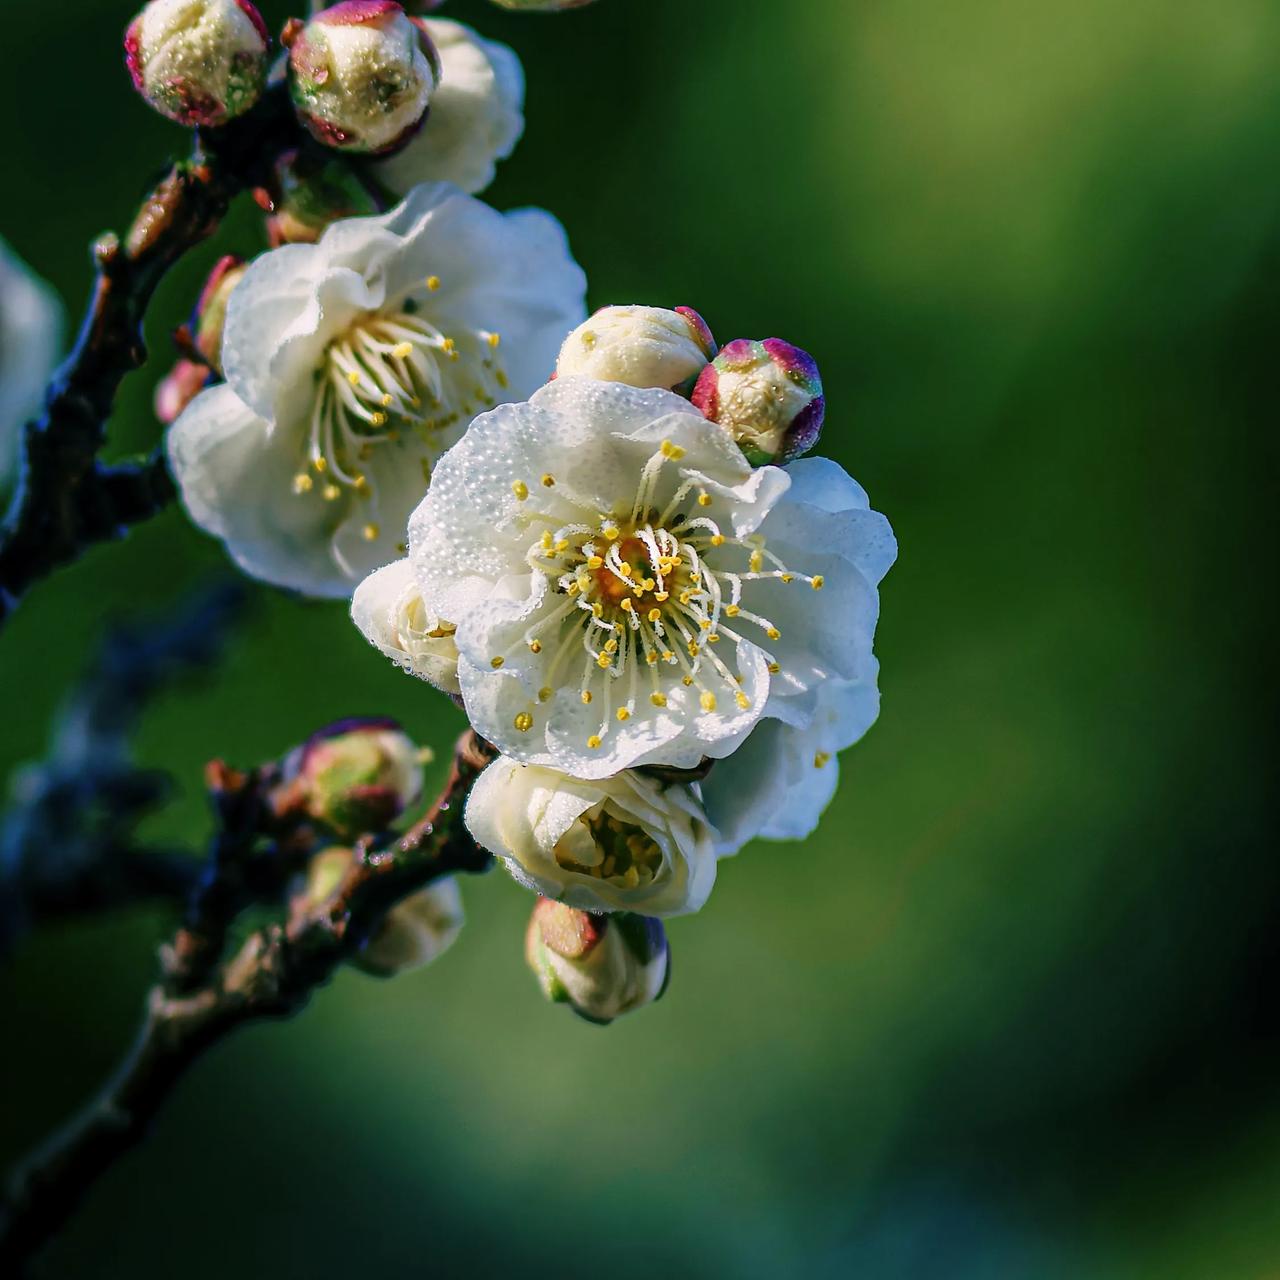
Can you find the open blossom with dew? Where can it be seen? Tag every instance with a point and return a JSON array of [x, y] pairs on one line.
[[625, 843], [199, 62], [641, 346], [627, 590], [477, 114], [352, 364], [362, 74], [778, 784], [30, 328], [389, 609]]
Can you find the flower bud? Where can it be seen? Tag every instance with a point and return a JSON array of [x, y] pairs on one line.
[[413, 933], [211, 311], [767, 395], [362, 74], [603, 966], [639, 346], [309, 198], [199, 62], [357, 776], [178, 388]]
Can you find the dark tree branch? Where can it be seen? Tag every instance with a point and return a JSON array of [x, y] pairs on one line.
[[67, 500], [68, 842], [273, 975]]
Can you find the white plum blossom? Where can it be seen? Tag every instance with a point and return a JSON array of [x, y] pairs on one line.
[[352, 364], [778, 784], [30, 329], [627, 590], [476, 118], [389, 609], [626, 843]]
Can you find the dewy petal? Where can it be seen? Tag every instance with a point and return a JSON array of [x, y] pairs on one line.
[[234, 481], [476, 115], [536, 821], [30, 334], [777, 786], [389, 609]]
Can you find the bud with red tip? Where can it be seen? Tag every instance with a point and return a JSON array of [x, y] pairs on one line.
[[767, 395], [639, 346], [199, 62], [601, 965], [362, 74]]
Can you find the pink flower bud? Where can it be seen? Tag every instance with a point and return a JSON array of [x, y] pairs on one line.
[[199, 62], [211, 311], [767, 395]]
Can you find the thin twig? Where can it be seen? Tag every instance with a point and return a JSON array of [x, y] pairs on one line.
[[67, 500], [273, 975]]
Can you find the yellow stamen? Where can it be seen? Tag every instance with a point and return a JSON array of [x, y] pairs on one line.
[[523, 722]]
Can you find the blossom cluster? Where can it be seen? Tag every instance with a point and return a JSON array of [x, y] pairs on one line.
[[607, 538]]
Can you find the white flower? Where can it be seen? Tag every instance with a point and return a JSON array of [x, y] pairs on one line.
[[352, 364], [626, 843], [476, 118], [30, 328], [778, 784], [389, 609], [628, 591]]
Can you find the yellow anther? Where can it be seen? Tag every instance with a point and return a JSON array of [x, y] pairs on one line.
[[544, 694], [593, 742], [625, 569], [788, 577], [586, 697], [651, 658], [584, 583], [818, 583], [450, 347], [603, 661], [611, 646], [668, 656], [535, 646], [360, 484], [303, 483], [686, 596], [495, 340], [521, 490], [402, 350], [774, 634], [611, 532], [370, 532], [573, 589], [523, 722], [705, 623], [597, 610], [662, 597], [321, 464], [658, 699], [672, 451], [713, 638], [704, 499], [821, 760], [655, 615], [331, 493], [354, 378], [708, 701], [731, 611], [624, 714], [548, 480], [693, 649], [387, 400], [562, 546], [757, 561], [628, 605], [774, 669], [717, 539], [687, 682], [497, 663], [433, 283], [742, 700], [548, 543], [595, 562]]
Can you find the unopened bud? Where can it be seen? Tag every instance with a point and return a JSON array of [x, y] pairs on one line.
[[199, 62], [211, 311], [767, 395], [358, 776], [640, 346], [412, 934], [601, 965], [362, 74], [311, 197]]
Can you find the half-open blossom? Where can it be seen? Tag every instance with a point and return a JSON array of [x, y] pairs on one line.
[[601, 966], [641, 346], [476, 119], [767, 395], [30, 327], [627, 590], [199, 62], [777, 785], [626, 843], [362, 74], [389, 609], [352, 364]]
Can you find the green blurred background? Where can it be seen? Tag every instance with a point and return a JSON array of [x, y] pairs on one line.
[[1012, 1012]]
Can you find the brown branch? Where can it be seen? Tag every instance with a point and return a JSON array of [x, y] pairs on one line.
[[67, 500], [273, 975]]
